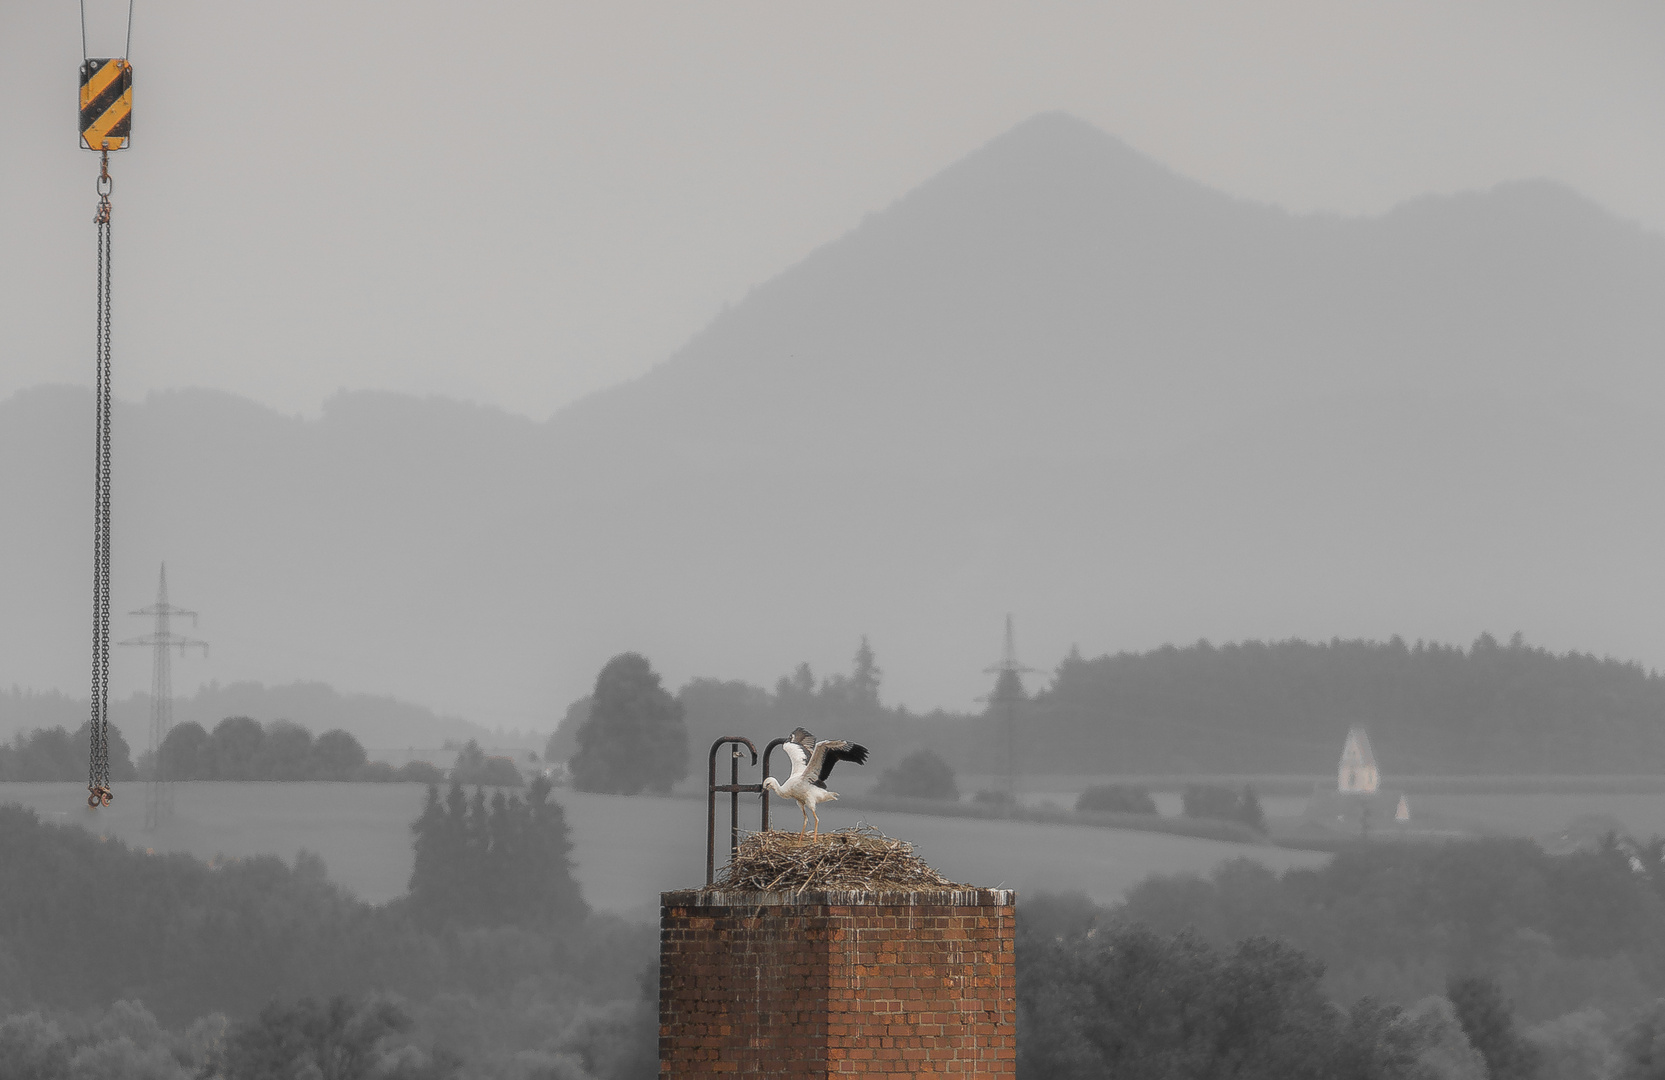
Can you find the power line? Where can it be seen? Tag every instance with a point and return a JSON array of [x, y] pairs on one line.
[[159, 795], [1009, 692]]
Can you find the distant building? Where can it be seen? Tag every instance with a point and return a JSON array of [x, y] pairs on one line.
[[1357, 772], [1358, 803]]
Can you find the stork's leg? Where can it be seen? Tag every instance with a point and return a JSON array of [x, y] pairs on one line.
[[804, 808], [817, 821]]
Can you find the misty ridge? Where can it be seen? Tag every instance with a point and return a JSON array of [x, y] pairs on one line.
[[1056, 378]]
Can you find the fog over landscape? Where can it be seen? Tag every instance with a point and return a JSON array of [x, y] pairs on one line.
[[1193, 470]]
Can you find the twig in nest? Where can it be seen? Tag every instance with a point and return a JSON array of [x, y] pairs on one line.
[[859, 859]]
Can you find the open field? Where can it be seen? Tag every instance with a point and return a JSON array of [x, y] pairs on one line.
[[627, 849], [1530, 806]]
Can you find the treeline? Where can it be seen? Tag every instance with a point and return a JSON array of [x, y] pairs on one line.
[[631, 735], [1255, 707], [492, 966], [375, 720], [1561, 932], [243, 749], [1121, 1000], [1285, 707], [502, 861], [1468, 961], [58, 754], [1126, 1002], [1499, 959]]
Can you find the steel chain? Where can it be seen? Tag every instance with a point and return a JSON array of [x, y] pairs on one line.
[[98, 753]]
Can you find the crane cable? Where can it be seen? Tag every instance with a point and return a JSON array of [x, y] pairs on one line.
[[106, 109]]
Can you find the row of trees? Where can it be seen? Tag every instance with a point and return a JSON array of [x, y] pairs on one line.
[[1254, 707], [243, 749], [1223, 804], [631, 735], [1280, 707], [494, 862], [57, 754]]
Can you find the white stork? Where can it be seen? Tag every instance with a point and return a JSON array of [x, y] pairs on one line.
[[811, 763]]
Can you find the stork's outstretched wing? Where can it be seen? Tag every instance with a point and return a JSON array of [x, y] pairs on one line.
[[830, 753], [798, 756]]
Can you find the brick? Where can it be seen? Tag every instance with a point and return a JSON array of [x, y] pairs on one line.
[[771, 985]]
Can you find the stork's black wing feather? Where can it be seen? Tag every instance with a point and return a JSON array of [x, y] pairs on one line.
[[837, 752]]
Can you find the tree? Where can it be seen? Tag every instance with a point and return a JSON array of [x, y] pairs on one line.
[[499, 862], [284, 753], [634, 739], [920, 775], [419, 772], [336, 755], [1223, 804], [799, 688], [1249, 810], [864, 677], [232, 747], [1490, 1025], [473, 767], [563, 741], [713, 708], [1642, 1048], [184, 753], [1008, 689], [334, 1040]]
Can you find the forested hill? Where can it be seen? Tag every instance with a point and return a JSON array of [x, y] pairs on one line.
[[1285, 707]]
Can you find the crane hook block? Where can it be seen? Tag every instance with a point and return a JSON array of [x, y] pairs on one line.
[[106, 104]]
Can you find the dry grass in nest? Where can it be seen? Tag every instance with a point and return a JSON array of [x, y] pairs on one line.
[[859, 859]]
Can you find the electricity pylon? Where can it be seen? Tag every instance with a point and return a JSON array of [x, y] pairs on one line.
[[1009, 693], [159, 794]]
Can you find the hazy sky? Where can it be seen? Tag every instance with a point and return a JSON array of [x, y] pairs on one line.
[[517, 203]]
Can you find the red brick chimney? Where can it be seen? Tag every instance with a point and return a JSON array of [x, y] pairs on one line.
[[821, 984]]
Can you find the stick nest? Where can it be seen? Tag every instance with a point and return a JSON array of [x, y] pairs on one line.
[[859, 859]]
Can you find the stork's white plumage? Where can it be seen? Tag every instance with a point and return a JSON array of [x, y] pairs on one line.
[[811, 763]]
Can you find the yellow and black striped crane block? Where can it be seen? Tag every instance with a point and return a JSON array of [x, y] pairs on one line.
[[106, 103]]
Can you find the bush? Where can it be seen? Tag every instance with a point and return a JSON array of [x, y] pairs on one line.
[[1224, 804], [920, 775], [420, 772], [1115, 799], [474, 768], [993, 798]]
